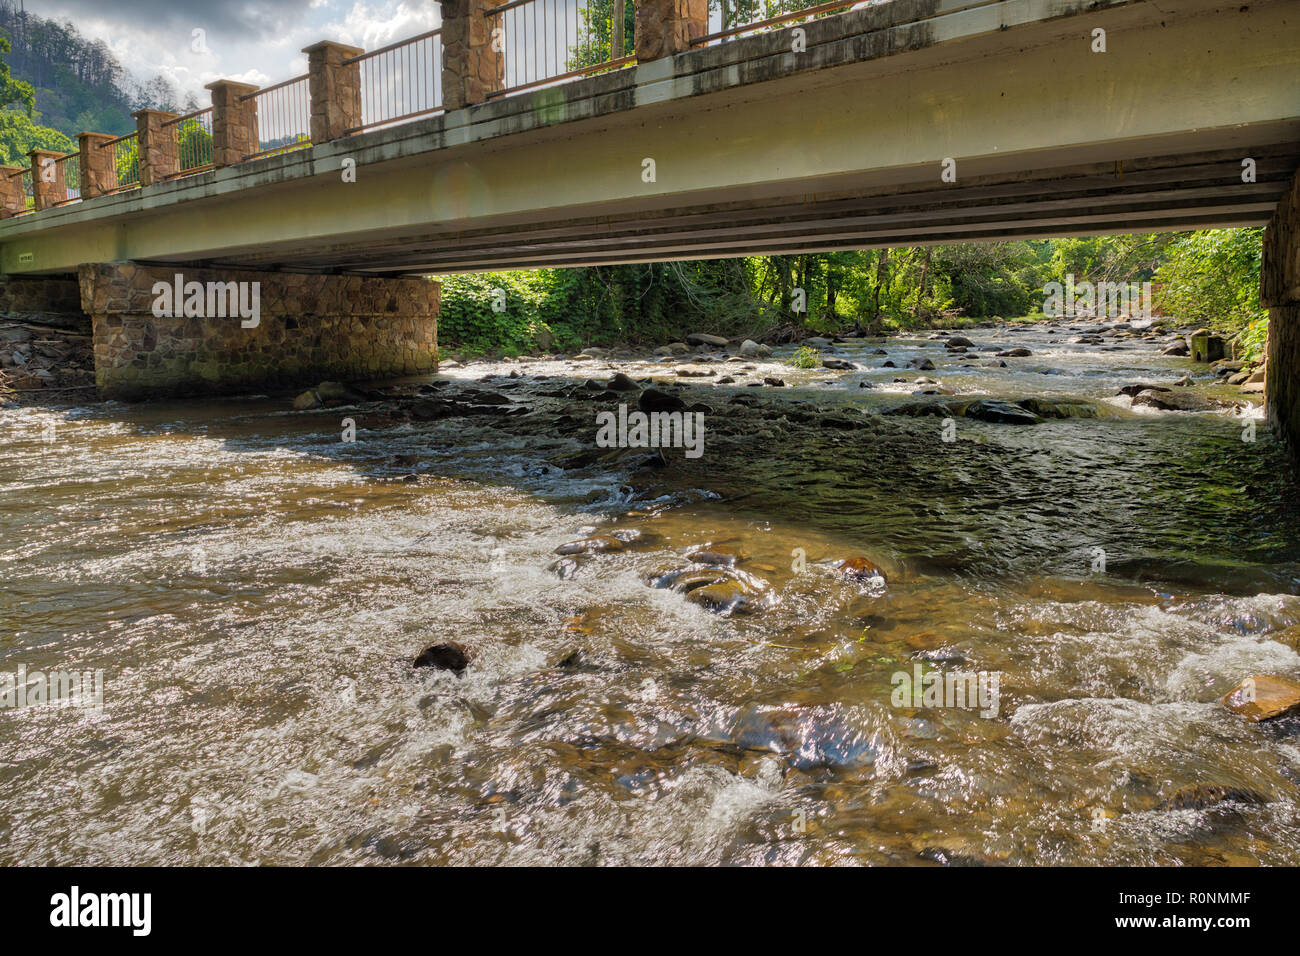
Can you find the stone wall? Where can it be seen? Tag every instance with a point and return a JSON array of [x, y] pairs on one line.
[[310, 328], [1280, 294]]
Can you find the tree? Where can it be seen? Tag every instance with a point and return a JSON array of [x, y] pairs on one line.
[[14, 91]]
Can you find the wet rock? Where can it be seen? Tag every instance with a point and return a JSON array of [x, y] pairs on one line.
[[818, 342], [726, 598], [1064, 408], [922, 364], [308, 399], [591, 385], [751, 349], [653, 400], [946, 857], [1263, 697], [594, 545], [838, 364], [621, 383], [1137, 388], [1015, 353], [1174, 401], [718, 556], [888, 365], [336, 393], [444, 657], [450, 363], [1177, 349], [703, 338], [725, 380], [860, 569], [1002, 413], [673, 348], [774, 382], [564, 568], [960, 341], [1204, 796], [686, 372]]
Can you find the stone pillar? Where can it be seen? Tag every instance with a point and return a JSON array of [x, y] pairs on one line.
[[471, 69], [335, 90], [13, 199], [97, 173], [667, 27], [255, 331], [234, 122], [160, 152], [1279, 292], [48, 185]]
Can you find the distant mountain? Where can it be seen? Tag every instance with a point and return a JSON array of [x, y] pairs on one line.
[[80, 85]]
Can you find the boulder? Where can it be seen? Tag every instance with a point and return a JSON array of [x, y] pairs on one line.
[[1263, 697], [1176, 349], [960, 341], [860, 569], [839, 365], [621, 383], [1002, 413], [653, 400], [703, 338], [445, 657], [1015, 353], [1170, 401], [593, 545], [752, 350]]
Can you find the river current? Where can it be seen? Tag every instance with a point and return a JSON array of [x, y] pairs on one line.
[[254, 590]]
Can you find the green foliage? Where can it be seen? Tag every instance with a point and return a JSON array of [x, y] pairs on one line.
[[806, 357], [19, 135], [1211, 277], [11, 90]]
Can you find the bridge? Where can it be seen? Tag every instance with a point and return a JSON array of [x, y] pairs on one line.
[[525, 134]]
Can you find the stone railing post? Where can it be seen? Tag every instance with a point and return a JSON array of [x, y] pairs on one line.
[[335, 89], [234, 122], [97, 173], [159, 148], [666, 27], [13, 199], [48, 185], [472, 64]]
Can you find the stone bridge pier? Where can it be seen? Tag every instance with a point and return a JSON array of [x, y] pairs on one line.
[[163, 331], [1280, 294]]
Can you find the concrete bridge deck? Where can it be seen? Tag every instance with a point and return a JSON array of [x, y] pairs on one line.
[[759, 149]]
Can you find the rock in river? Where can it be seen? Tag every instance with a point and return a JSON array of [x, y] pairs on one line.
[[444, 657], [1002, 413], [860, 569], [1263, 697], [593, 545], [653, 400], [702, 338], [621, 383]]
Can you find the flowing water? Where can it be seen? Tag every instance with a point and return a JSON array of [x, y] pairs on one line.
[[254, 590]]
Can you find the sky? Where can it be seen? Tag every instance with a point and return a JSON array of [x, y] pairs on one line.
[[254, 41]]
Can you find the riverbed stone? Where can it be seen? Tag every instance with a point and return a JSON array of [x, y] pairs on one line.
[[448, 656], [1263, 697]]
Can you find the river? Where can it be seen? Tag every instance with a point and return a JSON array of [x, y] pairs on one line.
[[254, 589]]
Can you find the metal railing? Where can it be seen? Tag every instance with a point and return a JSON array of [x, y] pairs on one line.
[[124, 167], [548, 41], [283, 117], [68, 173], [730, 19], [193, 141], [400, 82]]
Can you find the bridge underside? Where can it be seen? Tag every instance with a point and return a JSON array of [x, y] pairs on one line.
[[760, 150]]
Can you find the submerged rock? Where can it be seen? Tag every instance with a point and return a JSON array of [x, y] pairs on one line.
[[594, 545], [1263, 697], [1202, 796], [860, 569], [445, 657], [715, 555], [1174, 401]]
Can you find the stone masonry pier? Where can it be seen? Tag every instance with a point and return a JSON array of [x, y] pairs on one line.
[[308, 328]]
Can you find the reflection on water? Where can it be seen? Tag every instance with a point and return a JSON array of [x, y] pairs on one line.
[[255, 589]]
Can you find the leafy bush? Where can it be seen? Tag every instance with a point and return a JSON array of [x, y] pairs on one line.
[[806, 357]]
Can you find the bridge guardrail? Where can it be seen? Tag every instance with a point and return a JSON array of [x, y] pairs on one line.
[[68, 176], [283, 117], [193, 140], [568, 39], [124, 169], [737, 18], [400, 82]]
